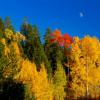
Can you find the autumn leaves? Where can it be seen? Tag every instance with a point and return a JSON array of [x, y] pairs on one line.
[[63, 67], [63, 40]]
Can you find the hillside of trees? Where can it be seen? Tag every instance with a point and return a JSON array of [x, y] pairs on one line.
[[61, 68]]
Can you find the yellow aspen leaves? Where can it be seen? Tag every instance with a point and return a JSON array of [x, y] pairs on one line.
[[16, 48], [3, 41], [6, 51], [8, 33], [19, 36], [38, 81], [86, 67]]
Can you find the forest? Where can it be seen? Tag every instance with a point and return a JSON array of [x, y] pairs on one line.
[[60, 68]]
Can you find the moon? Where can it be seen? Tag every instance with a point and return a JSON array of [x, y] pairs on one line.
[[81, 14]]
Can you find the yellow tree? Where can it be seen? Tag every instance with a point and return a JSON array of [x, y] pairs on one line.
[[85, 56], [12, 52], [91, 52], [78, 72], [37, 82]]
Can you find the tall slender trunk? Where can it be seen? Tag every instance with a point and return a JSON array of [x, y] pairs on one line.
[[87, 87]]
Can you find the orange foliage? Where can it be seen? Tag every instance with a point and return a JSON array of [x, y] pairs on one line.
[[67, 40], [63, 40], [57, 33]]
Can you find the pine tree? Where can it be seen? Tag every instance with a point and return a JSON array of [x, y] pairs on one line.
[[25, 27], [33, 47], [8, 24], [55, 55], [27, 46], [1, 28], [39, 54], [47, 46]]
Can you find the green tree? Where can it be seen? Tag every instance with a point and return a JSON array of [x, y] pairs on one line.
[[26, 27], [39, 54], [55, 56], [8, 24], [1, 27], [53, 50], [47, 45], [59, 82], [33, 47]]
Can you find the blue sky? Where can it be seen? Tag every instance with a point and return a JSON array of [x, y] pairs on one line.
[[76, 17]]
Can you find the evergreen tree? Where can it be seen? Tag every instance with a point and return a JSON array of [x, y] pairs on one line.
[[25, 27], [40, 55], [33, 47], [47, 44], [1, 27], [8, 24], [55, 56]]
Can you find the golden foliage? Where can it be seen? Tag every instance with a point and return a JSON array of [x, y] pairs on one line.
[[3, 41], [37, 81], [16, 48], [6, 48], [19, 36], [84, 64], [86, 68], [8, 33]]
